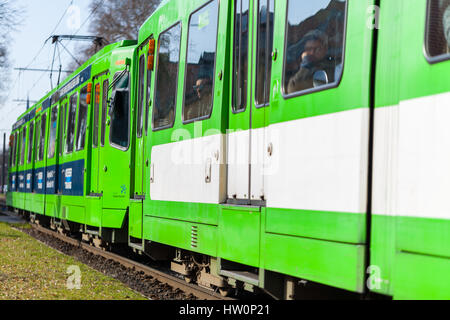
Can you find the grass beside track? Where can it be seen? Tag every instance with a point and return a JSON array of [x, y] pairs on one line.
[[29, 270]]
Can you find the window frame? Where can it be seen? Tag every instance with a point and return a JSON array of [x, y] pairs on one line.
[[437, 59], [108, 108], [336, 83], [156, 78], [205, 117]]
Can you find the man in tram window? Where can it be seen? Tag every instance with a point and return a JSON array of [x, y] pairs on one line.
[[313, 58], [201, 103]]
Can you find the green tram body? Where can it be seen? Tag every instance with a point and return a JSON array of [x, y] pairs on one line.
[[342, 181]]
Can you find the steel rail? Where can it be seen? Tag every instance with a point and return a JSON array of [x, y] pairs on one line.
[[174, 282]]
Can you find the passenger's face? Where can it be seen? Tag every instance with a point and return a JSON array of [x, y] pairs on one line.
[[314, 50], [200, 85]]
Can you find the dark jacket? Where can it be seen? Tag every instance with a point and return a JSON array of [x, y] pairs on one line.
[[303, 79]]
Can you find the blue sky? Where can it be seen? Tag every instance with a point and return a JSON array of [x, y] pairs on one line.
[[39, 20]]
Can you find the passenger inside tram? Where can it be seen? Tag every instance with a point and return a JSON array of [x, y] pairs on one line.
[[313, 58], [314, 44]]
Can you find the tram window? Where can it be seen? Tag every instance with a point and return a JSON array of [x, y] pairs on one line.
[[82, 119], [147, 103], [71, 124], [167, 77], [16, 147], [30, 142], [264, 50], [16, 143], [96, 116], [36, 139], [201, 58], [437, 40], [141, 95], [53, 130], [62, 121], [314, 44], [119, 132], [240, 55], [24, 141], [104, 107], [42, 137]]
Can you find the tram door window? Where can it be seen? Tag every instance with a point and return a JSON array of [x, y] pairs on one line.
[[36, 139], [16, 142], [42, 137], [141, 96], [147, 103], [437, 42], [201, 58], [264, 50], [53, 131], [314, 44], [82, 119], [30, 143], [24, 142], [167, 77], [71, 124], [96, 124], [139, 172], [240, 55], [120, 113], [62, 121], [104, 107]]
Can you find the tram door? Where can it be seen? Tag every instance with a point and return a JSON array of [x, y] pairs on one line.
[[250, 100], [114, 153], [99, 113], [142, 114], [252, 47]]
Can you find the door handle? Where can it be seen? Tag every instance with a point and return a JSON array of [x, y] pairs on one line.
[[270, 149], [152, 173], [208, 171]]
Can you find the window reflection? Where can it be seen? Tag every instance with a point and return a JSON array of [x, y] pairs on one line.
[[315, 44], [201, 57], [167, 77]]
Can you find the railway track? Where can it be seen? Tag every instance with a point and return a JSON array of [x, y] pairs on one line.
[[174, 282]]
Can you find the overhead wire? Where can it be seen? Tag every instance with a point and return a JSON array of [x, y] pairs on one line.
[[35, 57]]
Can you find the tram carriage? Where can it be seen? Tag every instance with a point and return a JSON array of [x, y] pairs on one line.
[[258, 144]]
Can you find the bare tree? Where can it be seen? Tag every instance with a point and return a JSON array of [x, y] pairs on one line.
[[9, 20], [116, 20]]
